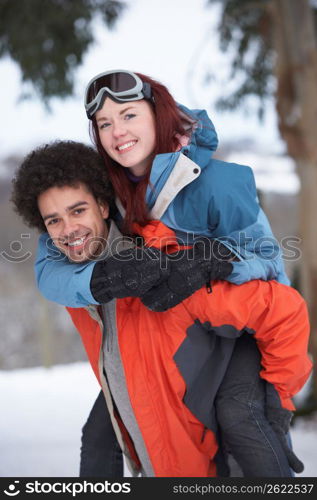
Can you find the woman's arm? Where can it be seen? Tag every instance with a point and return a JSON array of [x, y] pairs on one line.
[[244, 228], [130, 273], [259, 252]]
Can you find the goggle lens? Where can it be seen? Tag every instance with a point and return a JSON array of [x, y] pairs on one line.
[[122, 86], [116, 82]]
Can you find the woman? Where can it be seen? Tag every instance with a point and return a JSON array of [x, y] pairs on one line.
[[159, 158], [168, 173]]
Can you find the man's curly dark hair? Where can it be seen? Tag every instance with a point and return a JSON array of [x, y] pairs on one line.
[[60, 163]]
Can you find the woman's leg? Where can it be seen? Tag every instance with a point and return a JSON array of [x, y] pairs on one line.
[[100, 454], [240, 408]]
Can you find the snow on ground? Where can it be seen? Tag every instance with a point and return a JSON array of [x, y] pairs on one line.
[[43, 411]]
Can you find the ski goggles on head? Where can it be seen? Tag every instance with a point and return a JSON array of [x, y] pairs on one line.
[[120, 85]]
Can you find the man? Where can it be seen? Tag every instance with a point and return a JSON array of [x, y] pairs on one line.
[[161, 373]]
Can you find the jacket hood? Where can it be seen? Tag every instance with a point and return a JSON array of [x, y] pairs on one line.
[[203, 140]]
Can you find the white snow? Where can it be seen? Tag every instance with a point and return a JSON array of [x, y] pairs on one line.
[[274, 173], [43, 411]]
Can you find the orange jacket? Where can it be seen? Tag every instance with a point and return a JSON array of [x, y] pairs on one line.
[[150, 343]]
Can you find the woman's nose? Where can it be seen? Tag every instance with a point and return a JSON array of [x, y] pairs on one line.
[[119, 129]]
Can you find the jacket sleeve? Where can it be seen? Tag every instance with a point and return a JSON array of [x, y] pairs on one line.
[[58, 279], [244, 228]]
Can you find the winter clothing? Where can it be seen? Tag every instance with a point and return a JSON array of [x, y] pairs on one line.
[[161, 281], [241, 410], [154, 367], [195, 195], [100, 453], [280, 421], [190, 270], [128, 273]]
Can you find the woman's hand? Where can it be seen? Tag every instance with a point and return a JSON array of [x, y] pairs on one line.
[[161, 280], [130, 273], [189, 271]]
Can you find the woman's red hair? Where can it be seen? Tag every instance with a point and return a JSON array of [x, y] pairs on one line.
[[167, 123]]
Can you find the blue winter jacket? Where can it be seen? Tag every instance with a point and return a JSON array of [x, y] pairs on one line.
[[195, 195]]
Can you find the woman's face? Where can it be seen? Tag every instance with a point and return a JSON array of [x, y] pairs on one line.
[[127, 133]]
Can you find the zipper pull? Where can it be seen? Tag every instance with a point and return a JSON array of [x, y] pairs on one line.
[[208, 287]]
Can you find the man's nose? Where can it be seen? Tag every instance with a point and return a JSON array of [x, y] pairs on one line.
[[69, 229]]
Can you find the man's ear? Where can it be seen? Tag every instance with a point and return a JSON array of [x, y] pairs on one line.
[[104, 209]]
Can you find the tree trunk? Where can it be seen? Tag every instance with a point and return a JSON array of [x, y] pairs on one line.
[[296, 102], [308, 234]]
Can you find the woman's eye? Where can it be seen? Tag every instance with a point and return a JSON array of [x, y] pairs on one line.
[[104, 125], [129, 116]]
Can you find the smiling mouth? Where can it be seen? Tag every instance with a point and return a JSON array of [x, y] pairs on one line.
[[76, 242], [125, 146]]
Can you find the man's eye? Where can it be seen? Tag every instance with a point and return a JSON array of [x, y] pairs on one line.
[[52, 221], [79, 211]]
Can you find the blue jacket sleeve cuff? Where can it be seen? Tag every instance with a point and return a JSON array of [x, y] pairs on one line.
[[60, 280]]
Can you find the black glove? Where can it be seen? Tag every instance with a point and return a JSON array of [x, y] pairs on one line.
[[189, 271], [130, 273], [280, 419]]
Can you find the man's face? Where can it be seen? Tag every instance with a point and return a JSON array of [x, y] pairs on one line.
[[75, 221]]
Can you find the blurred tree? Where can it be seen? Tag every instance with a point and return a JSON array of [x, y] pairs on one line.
[[48, 39], [275, 53]]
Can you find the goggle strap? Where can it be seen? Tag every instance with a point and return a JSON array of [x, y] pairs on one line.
[[147, 91]]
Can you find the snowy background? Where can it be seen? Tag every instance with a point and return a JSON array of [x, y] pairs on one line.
[[175, 41]]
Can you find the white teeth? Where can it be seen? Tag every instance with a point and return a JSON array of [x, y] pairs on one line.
[[78, 242], [126, 145]]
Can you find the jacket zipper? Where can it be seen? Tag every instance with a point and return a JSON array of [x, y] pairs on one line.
[[108, 329]]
